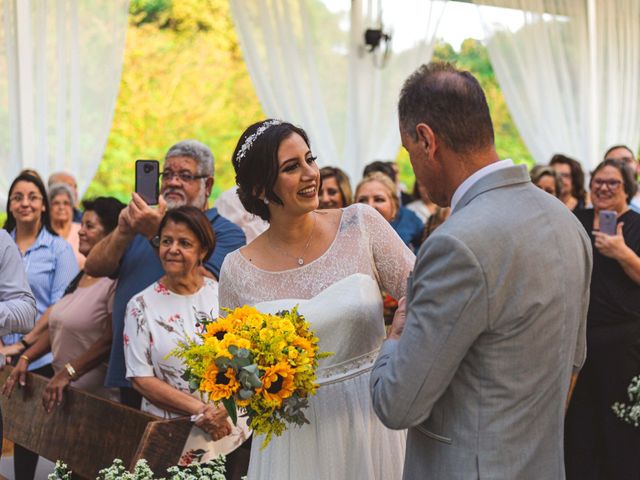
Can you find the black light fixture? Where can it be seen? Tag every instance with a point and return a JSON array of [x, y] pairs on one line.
[[373, 37]]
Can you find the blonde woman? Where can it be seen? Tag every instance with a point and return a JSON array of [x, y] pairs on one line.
[[378, 191]]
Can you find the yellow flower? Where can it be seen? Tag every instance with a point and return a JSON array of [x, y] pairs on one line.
[[219, 328], [277, 383], [219, 384], [233, 339], [305, 345]]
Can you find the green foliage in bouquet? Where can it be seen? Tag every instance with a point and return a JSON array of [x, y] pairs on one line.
[[263, 364]]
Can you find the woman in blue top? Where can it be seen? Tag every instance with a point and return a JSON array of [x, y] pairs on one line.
[[50, 265]]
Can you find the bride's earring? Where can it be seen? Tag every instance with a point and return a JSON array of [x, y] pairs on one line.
[[266, 201]]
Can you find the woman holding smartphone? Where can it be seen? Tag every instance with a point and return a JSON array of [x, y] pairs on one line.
[[598, 444]]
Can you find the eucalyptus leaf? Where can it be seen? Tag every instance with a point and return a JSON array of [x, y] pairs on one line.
[[255, 381], [233, 350], [244, 353], [244, 394], [253, 368], [223, 363], [241, 362]]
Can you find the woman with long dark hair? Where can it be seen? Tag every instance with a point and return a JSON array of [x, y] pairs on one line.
[[332, 264]]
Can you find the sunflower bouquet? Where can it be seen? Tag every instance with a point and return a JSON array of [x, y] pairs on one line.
[[263, 364]]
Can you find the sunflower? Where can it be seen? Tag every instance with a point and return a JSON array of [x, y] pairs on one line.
[[277, 383], [219, 384], [219, 328]]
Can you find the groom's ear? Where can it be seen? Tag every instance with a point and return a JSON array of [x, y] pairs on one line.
[[426, 137]]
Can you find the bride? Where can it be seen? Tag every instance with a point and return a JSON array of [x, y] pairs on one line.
[[333, 264]]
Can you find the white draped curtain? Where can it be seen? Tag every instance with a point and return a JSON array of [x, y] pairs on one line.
[[570, 74], [308, 63], [60, 65]]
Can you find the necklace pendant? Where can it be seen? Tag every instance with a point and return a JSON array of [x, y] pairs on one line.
[[300, 261]]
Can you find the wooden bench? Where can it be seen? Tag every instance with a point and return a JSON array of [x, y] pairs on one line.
[[88, 432]]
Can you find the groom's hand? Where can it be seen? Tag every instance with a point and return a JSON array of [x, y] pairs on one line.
[[398, 320]]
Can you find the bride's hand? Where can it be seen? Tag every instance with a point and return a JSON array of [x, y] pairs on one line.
[[214, 421], [397, 326]]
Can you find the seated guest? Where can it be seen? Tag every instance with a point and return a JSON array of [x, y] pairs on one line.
[[50, 265], [335, 188], [230, 207], [70, 181], [61, 201], [423, 207], [378, 191], [187, 179], [625, 154], [77, 328], [598, 445], [573, 194], [547, 179], [164, 314]]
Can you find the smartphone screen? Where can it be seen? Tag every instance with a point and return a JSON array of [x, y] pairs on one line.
[[608, 220], [147, 180]]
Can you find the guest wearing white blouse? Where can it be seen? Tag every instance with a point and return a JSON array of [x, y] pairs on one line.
[[162, 314]]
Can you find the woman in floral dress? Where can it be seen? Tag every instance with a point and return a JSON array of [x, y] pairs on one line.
[[166, 313]]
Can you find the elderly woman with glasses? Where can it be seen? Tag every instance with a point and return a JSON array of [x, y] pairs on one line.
[[61, 201], [598, 444]]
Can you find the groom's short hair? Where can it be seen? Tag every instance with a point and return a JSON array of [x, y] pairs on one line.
[[451, 102]]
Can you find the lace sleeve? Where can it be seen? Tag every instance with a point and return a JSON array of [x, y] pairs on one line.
[[392, 258], [228, 289]]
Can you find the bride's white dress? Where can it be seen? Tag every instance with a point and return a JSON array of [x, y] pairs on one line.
[[339, 294]]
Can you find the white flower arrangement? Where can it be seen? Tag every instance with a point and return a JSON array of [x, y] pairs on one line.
[[630, 413], [212, 470]]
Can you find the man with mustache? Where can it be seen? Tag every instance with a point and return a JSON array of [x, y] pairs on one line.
[[127, 254]]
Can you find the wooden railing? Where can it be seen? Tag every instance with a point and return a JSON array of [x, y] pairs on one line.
[[88, 432]]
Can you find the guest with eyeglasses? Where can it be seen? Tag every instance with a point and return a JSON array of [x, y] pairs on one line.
[[624, 154], [128, 255], [598, 445], [70, 181], [50, 265], [61, 200], [574, 195]]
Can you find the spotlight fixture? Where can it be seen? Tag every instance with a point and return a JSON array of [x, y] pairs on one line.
[[373, 37]]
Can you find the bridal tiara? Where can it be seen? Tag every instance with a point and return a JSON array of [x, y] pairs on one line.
[[248, 142]]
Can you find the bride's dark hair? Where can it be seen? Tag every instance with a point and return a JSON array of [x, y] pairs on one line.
[[255, 161]]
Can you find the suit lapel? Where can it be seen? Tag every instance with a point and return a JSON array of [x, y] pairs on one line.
[[498, 179]]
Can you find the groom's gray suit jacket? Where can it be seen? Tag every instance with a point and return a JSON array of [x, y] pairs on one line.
[[495, 324]]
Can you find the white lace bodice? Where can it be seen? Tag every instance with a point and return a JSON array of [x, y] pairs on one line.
[[339, 292]]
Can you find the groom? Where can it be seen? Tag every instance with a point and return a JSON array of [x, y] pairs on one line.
[[495, 307]]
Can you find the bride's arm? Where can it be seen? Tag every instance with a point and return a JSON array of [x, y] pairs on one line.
[[227, 288], [393, 259]]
